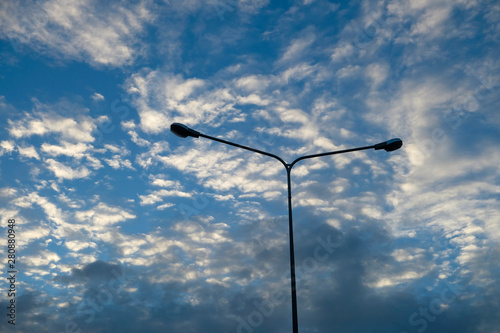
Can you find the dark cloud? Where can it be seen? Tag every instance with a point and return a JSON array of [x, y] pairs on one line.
[[332, 295], [98, 270]]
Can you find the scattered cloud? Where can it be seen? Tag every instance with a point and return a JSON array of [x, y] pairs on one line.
[[44, 124], [116, 216], [97, 97], [62, 171]]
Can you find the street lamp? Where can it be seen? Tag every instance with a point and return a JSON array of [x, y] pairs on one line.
[[183, 131]]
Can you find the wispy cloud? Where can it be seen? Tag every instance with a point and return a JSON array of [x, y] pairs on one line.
[[46, 123], [101, 35]]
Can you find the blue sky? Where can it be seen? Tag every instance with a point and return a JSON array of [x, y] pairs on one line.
[[122, 226]]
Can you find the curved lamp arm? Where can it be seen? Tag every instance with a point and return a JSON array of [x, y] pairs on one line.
[[183, 131]]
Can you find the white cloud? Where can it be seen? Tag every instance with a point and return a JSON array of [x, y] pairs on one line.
[[372, 212], [117, 162], [223, 197], [431, 21], [165, 206], [178, 89], [412, 111], [298, 47], [52, 212], [104, 34], [220, 169], [348, 71], [66, 148], [62, 171], [431, 25], [434, 184], [253, 99], [393, 280], [165, 183], [342, 51], [405, 255], [152, 155], [150, 245], [79, 130], [157, 196], [137, 140], [68, 201], [44, 257], [214, 234], [29, 151], [377, 73], [97, 97], [116, 150], [7, 146], [82, 258], [252, 6], [154, 121], [253, 83], [76, 245], [297, 72], [7, 192], [129, 125], [103, 215], [94, 163], [163, 98], [31, 233]]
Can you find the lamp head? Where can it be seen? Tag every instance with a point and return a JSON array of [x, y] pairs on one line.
[[183, 131], [390, 145]]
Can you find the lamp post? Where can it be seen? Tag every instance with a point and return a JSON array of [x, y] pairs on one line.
[[183, 131]]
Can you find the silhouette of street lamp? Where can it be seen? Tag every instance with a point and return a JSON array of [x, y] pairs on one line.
[[183, 131]]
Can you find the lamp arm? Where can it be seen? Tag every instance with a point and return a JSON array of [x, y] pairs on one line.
[[244, 147], [287, 166], [329, 153]]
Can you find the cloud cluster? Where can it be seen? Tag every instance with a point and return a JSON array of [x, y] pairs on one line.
[[142, 230], [83, 30]]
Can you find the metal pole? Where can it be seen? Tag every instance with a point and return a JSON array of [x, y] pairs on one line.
[[288, 168], [292, 255]]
